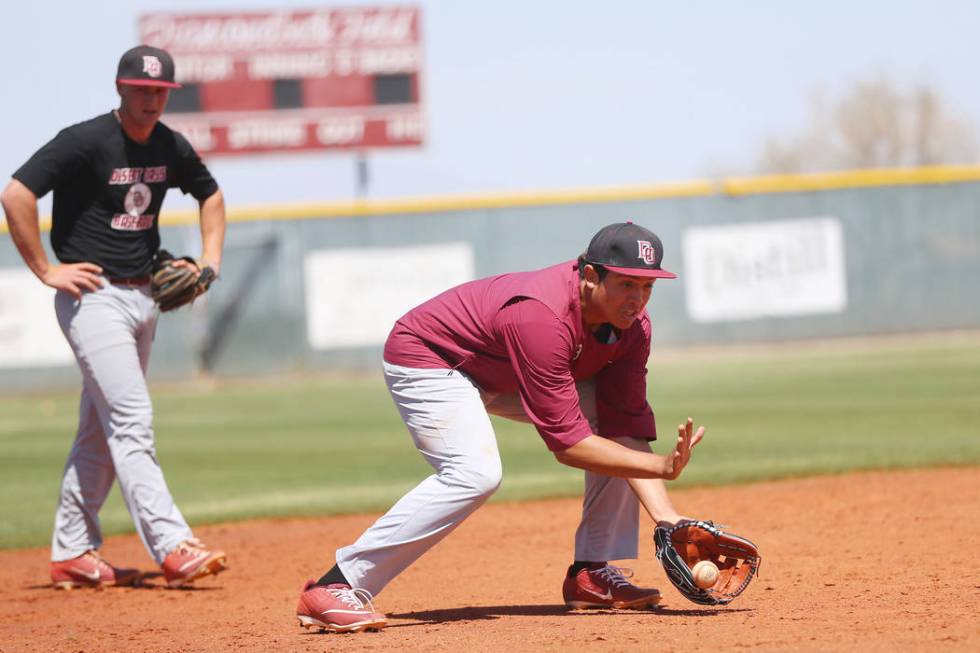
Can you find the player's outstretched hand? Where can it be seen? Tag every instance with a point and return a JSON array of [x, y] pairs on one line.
[[687, 439], [74, 277]]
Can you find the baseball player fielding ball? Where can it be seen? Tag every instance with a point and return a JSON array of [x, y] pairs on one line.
[[705, 574]]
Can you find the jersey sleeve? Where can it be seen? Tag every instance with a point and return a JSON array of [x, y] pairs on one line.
[[193, 176], [622, 408], [59, 159], [540, 348]]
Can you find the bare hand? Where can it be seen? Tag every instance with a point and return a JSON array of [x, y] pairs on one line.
[[184, 263], [198, 265], [677, 460], [74, 278]]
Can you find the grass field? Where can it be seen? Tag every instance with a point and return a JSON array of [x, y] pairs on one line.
[[320, 446]]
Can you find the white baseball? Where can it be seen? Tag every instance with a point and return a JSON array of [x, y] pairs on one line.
[[705, 574]]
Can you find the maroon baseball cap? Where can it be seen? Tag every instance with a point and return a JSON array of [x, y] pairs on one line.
[[629, 249], [145, 65]]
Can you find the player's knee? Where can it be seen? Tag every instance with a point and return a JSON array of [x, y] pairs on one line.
[[488, 482], [134, 434], [483, 479]]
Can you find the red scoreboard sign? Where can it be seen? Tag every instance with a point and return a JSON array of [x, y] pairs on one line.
[[285, 81]]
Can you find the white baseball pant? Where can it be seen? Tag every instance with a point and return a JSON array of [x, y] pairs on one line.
[[447, 417], [111, 332]]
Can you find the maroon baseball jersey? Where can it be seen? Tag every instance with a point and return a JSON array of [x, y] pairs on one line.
[[523, 333]]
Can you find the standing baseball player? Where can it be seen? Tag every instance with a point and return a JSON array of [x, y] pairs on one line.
[[564, 348], [109, 176]]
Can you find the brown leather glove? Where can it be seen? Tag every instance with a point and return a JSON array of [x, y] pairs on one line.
[[689, 542], [174, 286]]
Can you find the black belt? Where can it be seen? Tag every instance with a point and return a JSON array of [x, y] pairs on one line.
[[130, 281]]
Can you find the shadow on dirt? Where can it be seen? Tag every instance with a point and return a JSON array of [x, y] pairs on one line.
[[147, 580], [424, 617]]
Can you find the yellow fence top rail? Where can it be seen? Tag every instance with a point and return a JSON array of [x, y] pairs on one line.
[[732, 186]]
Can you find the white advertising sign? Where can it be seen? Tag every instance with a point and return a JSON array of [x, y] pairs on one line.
[[764, 269], [354, 296], [29, 332]]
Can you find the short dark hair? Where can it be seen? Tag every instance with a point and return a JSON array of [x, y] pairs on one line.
[[600, 269]]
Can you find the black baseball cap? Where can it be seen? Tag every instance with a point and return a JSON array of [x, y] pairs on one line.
[[145, 65], [629, 249]]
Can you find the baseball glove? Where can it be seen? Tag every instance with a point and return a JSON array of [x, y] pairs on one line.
[[689, 542], [174, 286]]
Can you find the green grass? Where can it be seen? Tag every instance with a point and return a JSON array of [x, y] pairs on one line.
[[333, 445]]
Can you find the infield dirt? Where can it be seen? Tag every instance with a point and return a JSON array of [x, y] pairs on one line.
[[878, 561]]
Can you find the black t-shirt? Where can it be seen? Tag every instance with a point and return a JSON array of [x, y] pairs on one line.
[[108, 190]]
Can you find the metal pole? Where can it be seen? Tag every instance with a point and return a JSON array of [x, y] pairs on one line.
[[362, 174]]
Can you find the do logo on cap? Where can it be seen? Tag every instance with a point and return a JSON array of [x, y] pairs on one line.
[[145, 65], [629, 249]]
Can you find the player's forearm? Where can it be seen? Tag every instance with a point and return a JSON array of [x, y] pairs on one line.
[[213, 229], [603, 456], [20, 208], [652, 493]]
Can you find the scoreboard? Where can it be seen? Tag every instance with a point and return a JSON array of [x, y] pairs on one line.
[[286, 81]]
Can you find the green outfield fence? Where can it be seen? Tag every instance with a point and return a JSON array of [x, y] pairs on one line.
[[904, 243]]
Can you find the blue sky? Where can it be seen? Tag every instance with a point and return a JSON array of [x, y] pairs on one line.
[[526, 95]]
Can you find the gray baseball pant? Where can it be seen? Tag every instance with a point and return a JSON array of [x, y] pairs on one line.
[[111, 332], [447, 417]]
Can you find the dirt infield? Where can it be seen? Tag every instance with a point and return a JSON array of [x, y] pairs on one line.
[[867, 562]]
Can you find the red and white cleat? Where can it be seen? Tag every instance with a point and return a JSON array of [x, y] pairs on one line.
[[90, 570], [607, 587], [189, 561], [338, 608]]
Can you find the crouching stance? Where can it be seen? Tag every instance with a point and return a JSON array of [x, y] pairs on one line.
[[564, 348]]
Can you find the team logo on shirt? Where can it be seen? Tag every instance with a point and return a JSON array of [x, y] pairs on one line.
[[138, 199], [136, 202], [152, 65], [648, 254]]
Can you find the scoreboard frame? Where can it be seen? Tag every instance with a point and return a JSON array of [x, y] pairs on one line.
[[343, 79]]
